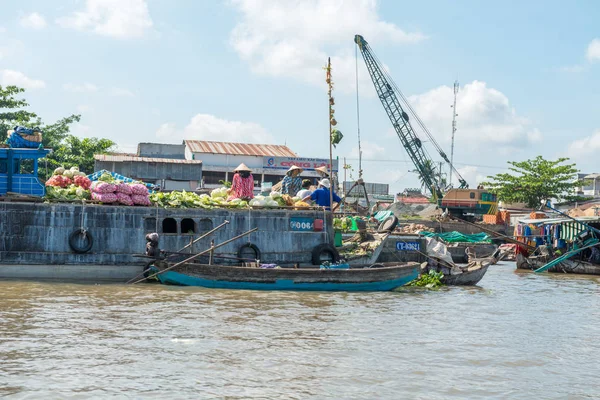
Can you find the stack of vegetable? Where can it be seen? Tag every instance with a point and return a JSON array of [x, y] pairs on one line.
[[342, 224], [276, 199], [68, 185], [183, 199], [108, 190]]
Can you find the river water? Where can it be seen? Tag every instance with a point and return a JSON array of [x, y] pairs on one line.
[[517, 335]]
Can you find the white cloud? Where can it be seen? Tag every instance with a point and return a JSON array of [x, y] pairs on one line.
[[294, 39], [10, 77], [209, 127], [120, 92], [166, 130], [80, 88], [485, 117], [2, 29], [33, 21], [593, 51], [585, 147], [120, 19], [471, 174], [369, 150]]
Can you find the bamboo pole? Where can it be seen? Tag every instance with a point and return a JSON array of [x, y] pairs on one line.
[[330, 85], [205, 235], [198, 255]]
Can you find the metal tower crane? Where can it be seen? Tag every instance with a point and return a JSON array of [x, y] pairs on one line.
[[388, 93]]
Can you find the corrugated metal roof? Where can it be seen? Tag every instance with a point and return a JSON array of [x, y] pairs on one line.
[[239, 149], [126, 157]]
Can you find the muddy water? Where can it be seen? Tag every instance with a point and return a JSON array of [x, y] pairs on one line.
[[517, 335]]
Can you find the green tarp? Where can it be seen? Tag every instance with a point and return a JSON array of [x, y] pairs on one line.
[[457, 237]]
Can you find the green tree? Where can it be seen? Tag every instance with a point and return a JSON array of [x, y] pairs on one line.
[[534, 181], [68, 150], [73, 151], [11, 110]]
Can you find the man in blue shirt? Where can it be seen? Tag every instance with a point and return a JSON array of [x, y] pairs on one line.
[[321, 195]]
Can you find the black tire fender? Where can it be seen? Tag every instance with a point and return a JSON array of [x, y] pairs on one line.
[[251, 246], [75, 246], [388, 224], [324, 248]]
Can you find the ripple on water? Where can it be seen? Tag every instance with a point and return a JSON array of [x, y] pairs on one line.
[[516, 335]]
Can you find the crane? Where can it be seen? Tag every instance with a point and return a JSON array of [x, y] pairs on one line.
[[388, 93]]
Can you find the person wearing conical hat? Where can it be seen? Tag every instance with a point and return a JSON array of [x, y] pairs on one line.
[[242, 184], [292, 183], [322, 171]]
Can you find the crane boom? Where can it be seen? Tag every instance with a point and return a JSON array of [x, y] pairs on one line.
[[400, 121]]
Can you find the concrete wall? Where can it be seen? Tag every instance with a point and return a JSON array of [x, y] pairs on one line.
[[38, 233], [391, 252], [160, 150]]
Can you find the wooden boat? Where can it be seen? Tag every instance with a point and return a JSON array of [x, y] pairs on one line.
[[371, 248], [468, 277], [570, 266], [378, 277], [462, 275]]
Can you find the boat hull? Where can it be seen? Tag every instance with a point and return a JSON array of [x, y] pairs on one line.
[[302, 279], [566, 266], [468, 278]]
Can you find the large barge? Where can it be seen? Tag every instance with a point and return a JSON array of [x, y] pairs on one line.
[[34, 237]]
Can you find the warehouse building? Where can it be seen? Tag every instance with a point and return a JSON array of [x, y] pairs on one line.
[[168, 173], [268, 163], [206, 164]]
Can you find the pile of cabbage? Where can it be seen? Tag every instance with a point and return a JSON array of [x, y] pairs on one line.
[[218, 199], [183, 199]]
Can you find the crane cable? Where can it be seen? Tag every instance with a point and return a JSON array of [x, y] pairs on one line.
[[412, 111], [389, 78]]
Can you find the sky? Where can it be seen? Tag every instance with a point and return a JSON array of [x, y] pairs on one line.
[[252, 71]]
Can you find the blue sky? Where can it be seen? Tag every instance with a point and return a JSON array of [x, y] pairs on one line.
[[243, 70]]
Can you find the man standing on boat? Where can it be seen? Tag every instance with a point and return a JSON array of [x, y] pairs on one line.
[[321, 195]]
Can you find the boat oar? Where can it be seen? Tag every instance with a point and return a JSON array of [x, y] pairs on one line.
[[197, 255], [203, 236], [179, 252]]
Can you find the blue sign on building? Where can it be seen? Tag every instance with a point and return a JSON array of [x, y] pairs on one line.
[[408, 246], [302, 224]]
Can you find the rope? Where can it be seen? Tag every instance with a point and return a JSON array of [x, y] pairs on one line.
[[156, 219], [82, 214]]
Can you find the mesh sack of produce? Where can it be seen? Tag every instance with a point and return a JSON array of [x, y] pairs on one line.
[[125, 199], [104, 187], [139, 189], [124, 188], [104, 197], [140, 200]]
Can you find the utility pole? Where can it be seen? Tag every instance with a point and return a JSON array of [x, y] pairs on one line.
[[454, 115]]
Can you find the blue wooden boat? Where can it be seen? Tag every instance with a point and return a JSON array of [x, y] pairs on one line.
[[377, 277]]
